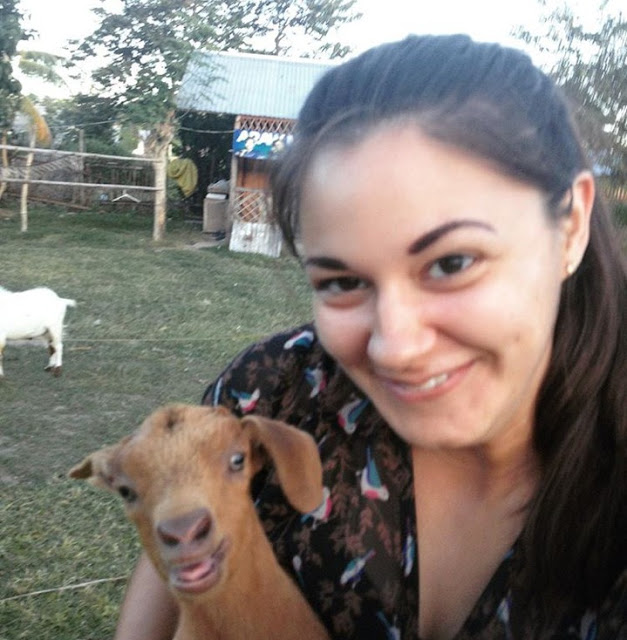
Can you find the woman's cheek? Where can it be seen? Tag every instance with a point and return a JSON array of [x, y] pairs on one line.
[[342, 332]]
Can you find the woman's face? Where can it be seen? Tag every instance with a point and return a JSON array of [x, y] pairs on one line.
[[436, 282]]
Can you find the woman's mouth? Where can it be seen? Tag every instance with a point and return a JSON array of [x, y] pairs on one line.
[[433, 382], [430, 387]]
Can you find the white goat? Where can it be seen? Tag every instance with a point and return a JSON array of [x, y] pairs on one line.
[[184, 477], [32, 314]]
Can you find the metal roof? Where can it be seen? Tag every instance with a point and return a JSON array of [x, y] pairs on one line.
[[250, 84]]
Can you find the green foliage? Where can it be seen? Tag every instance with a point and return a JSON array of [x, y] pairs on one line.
[[147, 45], [42, 65], [589, 63], [302, 27], [95, 115], [11, 33]]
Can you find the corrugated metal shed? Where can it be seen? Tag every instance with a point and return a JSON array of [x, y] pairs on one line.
[[249, 84]]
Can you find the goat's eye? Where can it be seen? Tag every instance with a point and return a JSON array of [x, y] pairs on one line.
[[127, 493], [236, 461]]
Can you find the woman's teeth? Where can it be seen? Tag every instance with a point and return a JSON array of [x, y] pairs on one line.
[[433, 382]]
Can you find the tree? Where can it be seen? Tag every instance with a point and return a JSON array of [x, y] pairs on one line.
[[40, 64], [94, 115], [11, 33], [589, 64], [302, 27], [43, 66], [146, 47], [11, 98]]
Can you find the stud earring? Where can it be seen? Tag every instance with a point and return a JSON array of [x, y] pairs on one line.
[[571, 267]]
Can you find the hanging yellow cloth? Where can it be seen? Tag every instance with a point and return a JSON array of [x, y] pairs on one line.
[[184, 171]]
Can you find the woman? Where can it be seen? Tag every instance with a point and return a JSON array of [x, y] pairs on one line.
[[463, 376]]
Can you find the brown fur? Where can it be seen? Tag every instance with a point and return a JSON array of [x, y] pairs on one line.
[[179, 464]]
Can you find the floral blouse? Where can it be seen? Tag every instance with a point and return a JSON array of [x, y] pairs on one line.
[[354, 557]]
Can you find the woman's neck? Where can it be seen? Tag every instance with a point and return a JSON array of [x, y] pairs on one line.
[[493, 473]]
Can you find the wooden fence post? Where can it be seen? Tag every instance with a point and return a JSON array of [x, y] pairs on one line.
[[159, 141], [82, 196], [24, 196], [5, 163], [160, 167]]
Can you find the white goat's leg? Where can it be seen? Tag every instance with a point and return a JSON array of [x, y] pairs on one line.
[[55, 349]]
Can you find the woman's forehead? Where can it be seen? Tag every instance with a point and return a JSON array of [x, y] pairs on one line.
[[402, 183]]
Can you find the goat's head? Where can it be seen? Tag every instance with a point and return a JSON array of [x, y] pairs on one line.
[[184, 477]]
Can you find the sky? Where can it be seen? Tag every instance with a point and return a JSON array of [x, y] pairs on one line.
[[383, 20], [490, 20]]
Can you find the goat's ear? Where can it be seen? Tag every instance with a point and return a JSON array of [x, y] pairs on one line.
[[96, 467], [295, 457]]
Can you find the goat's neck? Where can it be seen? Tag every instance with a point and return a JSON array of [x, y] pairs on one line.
[[256, 600]]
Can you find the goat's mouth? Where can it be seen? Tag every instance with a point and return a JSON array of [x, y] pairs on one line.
[[202, 573]]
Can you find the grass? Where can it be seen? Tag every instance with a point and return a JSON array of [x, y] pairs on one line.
[[154, 324]]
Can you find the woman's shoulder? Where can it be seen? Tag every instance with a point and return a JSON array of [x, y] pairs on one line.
[[275, 375]]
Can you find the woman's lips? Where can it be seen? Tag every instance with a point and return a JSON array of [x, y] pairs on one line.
[[424, 388]]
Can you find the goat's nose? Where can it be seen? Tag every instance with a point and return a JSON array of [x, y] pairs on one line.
[[191, 527]]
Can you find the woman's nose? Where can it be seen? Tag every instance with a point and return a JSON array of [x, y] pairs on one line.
[[400, 331]]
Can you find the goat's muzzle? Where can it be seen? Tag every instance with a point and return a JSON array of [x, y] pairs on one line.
[[193, 561], [185, 530]]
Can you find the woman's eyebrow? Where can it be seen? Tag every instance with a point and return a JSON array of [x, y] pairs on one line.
[[432, 236], [420, 244], [326, 263]]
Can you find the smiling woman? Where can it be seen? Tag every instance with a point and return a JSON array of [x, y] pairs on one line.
[[464, 373], [443, 318]]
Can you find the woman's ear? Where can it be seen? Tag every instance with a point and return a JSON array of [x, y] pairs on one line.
[[576, 225]]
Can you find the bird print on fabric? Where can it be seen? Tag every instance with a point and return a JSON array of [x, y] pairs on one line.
[[355, 568], [246, 401], [317, 379], [371, 485], [301, 339], [349, 414]]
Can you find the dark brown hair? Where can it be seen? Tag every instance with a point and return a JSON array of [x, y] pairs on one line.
[[492, 101]]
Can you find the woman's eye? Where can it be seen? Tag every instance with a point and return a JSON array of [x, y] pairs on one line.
[[339, 285], [450, 265]]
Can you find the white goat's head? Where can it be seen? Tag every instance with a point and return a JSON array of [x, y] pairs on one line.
[[185, 476]]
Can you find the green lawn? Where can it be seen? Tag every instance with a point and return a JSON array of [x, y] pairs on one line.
[[154, 324]]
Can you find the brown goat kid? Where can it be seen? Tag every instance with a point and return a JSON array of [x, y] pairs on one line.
[[184, 477]]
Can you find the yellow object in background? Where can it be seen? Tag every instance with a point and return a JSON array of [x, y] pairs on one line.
[[184, 171]]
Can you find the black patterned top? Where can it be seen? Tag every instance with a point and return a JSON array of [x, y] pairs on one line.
[[355, 556]]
